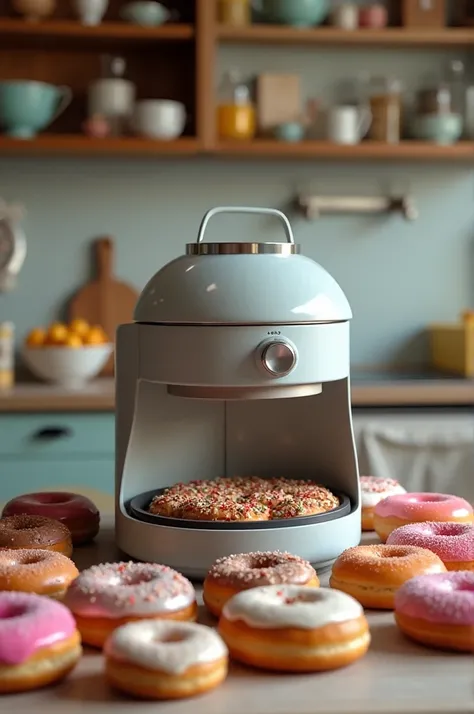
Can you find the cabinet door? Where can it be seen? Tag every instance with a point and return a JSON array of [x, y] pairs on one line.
[[92, 478], [431, 452]]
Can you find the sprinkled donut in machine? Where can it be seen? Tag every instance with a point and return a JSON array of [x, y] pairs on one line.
[[43, 572], [109, 595], [243, 571], [37, 532], [452, 542]]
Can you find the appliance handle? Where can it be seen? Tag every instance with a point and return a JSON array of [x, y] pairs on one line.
[[245, 209]]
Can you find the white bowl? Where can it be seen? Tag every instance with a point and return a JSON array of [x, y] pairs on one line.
[[162, 119], [70, 367]]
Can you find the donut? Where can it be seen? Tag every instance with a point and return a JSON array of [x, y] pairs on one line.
[[438, 610], [373, 573], [36, 571], [35, 532], [109, 595], [452, 542], [78, 513], [39, 642], [373, 490], [243, 498], [404, 508], [160, 659], [234, 573], [294, 628]]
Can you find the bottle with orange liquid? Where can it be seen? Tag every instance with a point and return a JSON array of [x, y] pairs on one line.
[[236, 116], [7, 355]]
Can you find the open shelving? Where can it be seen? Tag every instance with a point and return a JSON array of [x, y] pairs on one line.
[[178, 61]]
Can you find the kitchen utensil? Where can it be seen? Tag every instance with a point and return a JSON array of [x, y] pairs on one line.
[[439, 128], [70, 367], [112, 96], [34, 10], [147, 14], [226, 341], [159, 119], [91, 12], [348, 124], [290, 131], [299, 13], [346, 16], [104, 300], [27, 107]]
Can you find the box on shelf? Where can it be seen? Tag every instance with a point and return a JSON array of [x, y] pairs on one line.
[[452, 348], [424, 14], [278, 100]]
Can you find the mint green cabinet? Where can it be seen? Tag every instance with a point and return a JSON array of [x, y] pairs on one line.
[[56, 451]]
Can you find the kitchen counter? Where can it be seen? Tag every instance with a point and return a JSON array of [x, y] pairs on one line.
[[368, 389], [395, 677]]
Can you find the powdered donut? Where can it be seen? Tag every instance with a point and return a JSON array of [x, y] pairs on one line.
[[452, 542], [243, 571]]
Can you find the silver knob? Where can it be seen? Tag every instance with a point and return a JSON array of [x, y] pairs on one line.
[[278, 358]]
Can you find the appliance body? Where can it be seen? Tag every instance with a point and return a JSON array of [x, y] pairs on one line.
[[237, 364]]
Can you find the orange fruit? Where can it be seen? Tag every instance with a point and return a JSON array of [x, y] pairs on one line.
[[36, 337], [96, 336], [79, 327], [57, 334], [73, 340]]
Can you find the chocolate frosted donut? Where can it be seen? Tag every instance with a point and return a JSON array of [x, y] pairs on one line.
[[36, 532], [244, 571]]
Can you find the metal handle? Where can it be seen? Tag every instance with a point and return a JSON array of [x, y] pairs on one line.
[[245, 209], [52, 432]]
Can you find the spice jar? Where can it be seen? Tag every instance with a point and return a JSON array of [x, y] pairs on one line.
[[236, 116], [235, 13], [7, 355], [386, 106]]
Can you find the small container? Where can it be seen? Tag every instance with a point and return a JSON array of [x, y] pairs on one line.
[[452, 347], [386, 107], [234, 13], [345, 16], [435, 100], [373, 17], [236, 115], [7, 355]]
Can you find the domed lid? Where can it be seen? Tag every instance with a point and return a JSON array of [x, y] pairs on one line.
[[242, 283]]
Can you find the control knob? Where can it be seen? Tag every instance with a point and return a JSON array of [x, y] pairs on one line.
[[278, 357]]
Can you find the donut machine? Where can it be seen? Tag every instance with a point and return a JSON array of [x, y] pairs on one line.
[[237, 364]]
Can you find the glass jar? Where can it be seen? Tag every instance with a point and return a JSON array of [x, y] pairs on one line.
[[385, 100], [236, 115], [7, 355], [434, 100], [236, 13]]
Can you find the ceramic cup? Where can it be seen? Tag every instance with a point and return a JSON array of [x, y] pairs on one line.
[[290, 131], [159, 119], [299, 13], [348, 124], [373, 16], [346, 16], [147, 14], [439, 128], [27, 107], [91, 12]]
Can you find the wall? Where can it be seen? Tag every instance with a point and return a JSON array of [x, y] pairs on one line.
[[398, 276]]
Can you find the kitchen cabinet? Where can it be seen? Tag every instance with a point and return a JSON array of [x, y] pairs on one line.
[[60, 451], [424, 449]]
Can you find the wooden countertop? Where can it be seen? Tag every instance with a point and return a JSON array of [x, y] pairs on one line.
[[395, 677], [367, 390]]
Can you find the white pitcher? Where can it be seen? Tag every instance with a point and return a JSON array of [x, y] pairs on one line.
[[90, 12]]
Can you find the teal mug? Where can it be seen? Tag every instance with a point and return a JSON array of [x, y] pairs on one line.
[[298, 13], [27, 107]]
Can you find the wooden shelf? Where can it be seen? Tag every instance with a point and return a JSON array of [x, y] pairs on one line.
[[57, 29], [392, 36], [369, 150], [72, 145]]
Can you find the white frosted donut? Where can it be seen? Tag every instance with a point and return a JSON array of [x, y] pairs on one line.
[[279, 606], [375, 489]]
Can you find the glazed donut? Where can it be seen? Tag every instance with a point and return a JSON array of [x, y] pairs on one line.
[[109, 595], [438, 610], [373, 573], [39, 642], [230, 575], [373, 490], [35, 532], [452, 542], [165, 660], [36, 571], [293, 628], [401, 509], [78, 513]]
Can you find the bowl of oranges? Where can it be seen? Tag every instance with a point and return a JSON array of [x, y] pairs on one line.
[[67, 354]]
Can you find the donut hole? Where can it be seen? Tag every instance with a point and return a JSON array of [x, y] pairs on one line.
[[131, 580], [173, 636], [53, 498], [393, 553], [428, 498], [31, 560], [308, 595], [11, 611], [23, 526]]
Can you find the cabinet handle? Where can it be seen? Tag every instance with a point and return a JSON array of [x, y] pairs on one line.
[[49, 433]]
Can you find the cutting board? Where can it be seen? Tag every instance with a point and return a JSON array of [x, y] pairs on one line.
[[104, 300]]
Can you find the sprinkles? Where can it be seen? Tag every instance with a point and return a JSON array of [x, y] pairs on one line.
[[250, 570]]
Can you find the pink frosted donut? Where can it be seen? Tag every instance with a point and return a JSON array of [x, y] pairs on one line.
[[401, 509], [39, 642], [438, 610], [77, 512], [373, 490], [452, 542]]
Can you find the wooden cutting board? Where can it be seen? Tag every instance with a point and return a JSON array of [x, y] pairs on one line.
[[104, 300]]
